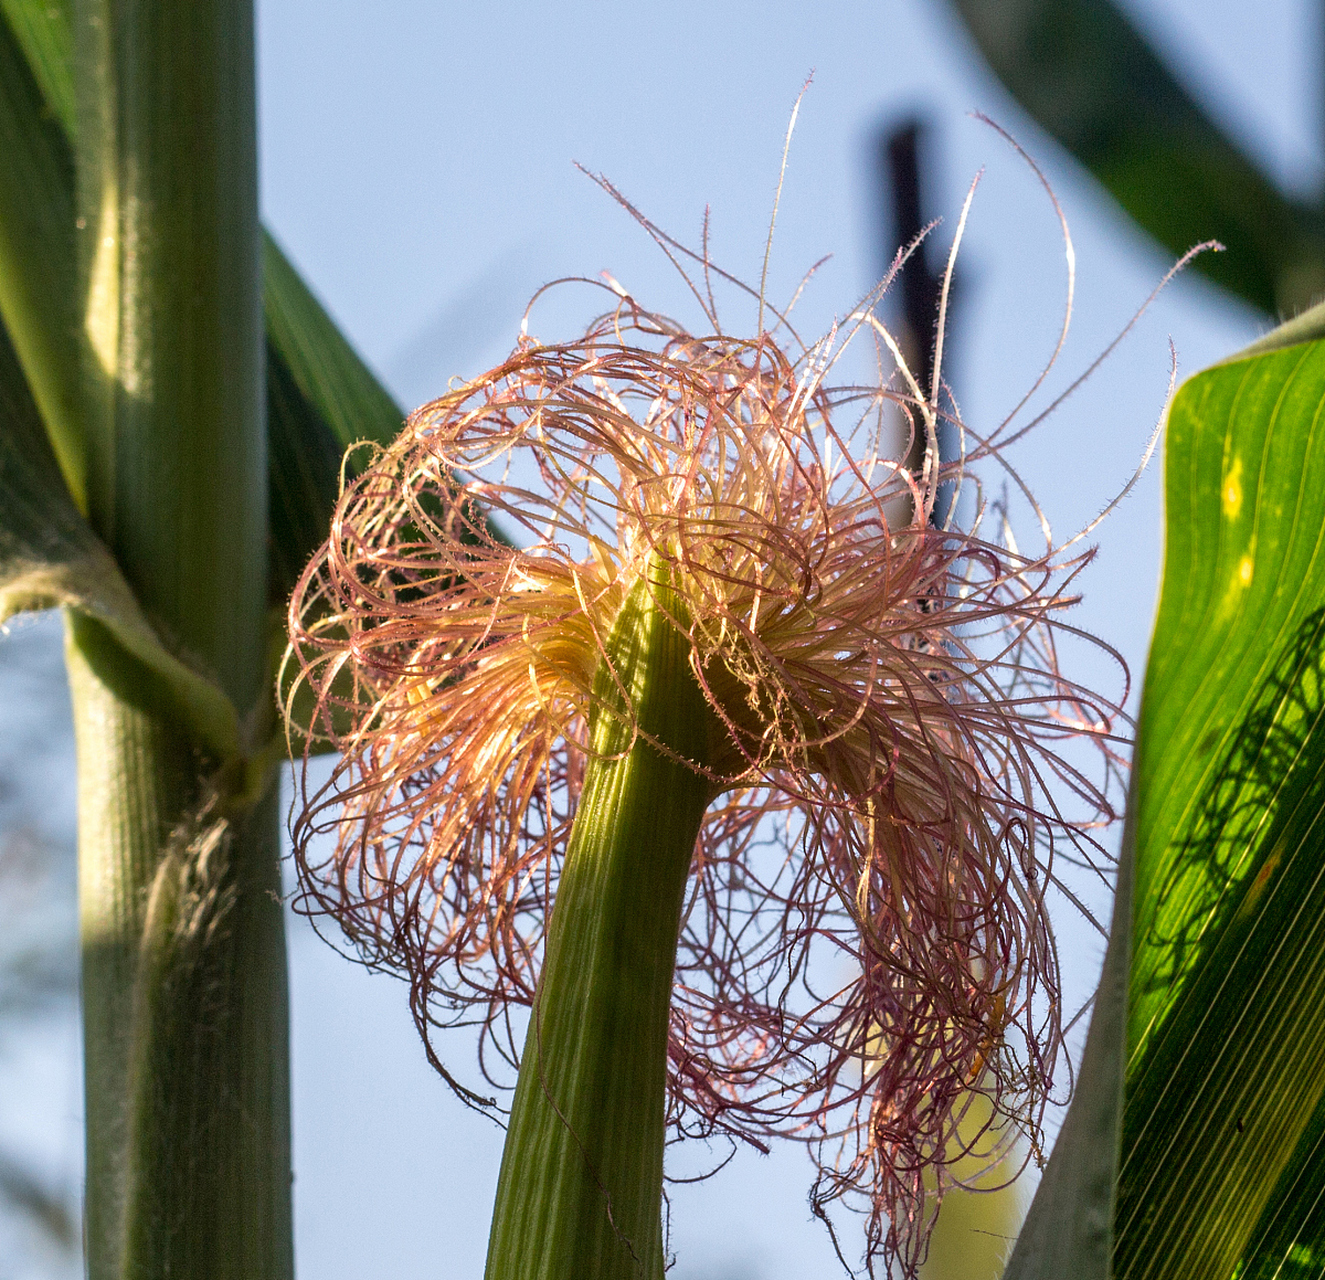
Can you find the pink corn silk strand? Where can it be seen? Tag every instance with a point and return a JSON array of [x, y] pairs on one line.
[[867, 943]]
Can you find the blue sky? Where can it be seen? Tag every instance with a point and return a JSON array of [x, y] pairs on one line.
[[418, 163]]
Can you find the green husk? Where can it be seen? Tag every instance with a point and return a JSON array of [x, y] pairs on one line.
[[581, 1180]]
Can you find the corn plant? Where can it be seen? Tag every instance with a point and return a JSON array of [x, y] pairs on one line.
[[174, 412]]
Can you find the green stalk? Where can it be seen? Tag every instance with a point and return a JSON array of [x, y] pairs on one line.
[[580, 1192], [184, 991], [167, 184], [185, 1017]]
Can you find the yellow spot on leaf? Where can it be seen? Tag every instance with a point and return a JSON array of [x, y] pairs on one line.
[[1235, 593], [1231, 491]]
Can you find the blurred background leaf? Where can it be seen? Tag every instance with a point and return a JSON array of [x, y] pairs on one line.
[[1093, 82]]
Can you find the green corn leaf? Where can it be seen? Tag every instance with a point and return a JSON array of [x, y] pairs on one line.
[[1085, 74], [303, 473], [1225, 1093], [37, 253], [321, 399], [1220, 1156], [50, 557], [42, 29], [328, 373]]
